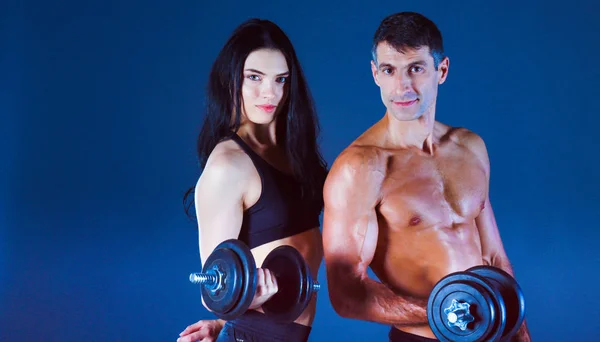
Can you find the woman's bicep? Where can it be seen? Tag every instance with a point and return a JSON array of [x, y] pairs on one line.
[[219, 207]]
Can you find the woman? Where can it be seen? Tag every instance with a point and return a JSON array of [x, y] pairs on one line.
[[262, 172]]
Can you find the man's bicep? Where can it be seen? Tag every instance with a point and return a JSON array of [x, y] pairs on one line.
[[349, 244], [491, 242], [349, 235], [349, 222]]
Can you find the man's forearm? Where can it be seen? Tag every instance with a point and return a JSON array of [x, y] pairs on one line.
[[522, 334], [503, 264], [369, 300]]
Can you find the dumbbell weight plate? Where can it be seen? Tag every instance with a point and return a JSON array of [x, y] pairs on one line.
[[486, 306], [238, 284], [293, 282], [511, 294], [221, 298]]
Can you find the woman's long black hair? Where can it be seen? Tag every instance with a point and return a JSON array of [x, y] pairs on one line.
[[297, 123]]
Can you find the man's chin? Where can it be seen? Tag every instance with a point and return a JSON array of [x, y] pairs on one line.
[[404, 116]]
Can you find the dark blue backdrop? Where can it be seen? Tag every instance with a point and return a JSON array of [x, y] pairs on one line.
[[101, 102]]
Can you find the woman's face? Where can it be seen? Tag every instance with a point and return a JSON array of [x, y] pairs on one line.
[[265, 74]]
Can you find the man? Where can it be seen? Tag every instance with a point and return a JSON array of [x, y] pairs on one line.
[[409, 197]]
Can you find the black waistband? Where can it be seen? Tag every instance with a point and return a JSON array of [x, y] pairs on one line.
[[396, 335], [261, 325]]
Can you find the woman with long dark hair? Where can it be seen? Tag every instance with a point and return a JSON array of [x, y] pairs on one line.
[[262, 171]]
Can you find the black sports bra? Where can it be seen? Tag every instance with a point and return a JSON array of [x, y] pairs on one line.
[[279, 212]]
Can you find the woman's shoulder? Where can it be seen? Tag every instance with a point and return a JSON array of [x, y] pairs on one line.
[[228, 160]]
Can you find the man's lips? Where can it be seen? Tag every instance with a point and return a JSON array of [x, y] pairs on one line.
[[404, 103]]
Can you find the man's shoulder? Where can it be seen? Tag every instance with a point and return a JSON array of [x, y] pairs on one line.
[[465, 137], [471, 141], [358, 170], [357, 164], [359, 155]]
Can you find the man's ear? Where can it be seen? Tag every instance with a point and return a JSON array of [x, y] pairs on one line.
[[374, 72], [443, 70]]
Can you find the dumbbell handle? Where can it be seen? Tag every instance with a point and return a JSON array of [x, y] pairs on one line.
[[209, 278], [316, 286], [212, 278], [458, 314]]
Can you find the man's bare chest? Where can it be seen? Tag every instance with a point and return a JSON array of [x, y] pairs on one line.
[[445, 189]]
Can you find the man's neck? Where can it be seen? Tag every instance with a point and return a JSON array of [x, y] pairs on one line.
[[415, 133]]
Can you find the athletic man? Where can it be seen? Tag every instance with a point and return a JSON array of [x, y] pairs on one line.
[[410, 196]]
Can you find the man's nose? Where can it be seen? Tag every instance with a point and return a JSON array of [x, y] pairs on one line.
[[402, 82]]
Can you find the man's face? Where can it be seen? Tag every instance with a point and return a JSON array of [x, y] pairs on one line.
[[408, 81]]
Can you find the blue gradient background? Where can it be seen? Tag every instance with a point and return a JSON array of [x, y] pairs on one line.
[[101, 102]]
